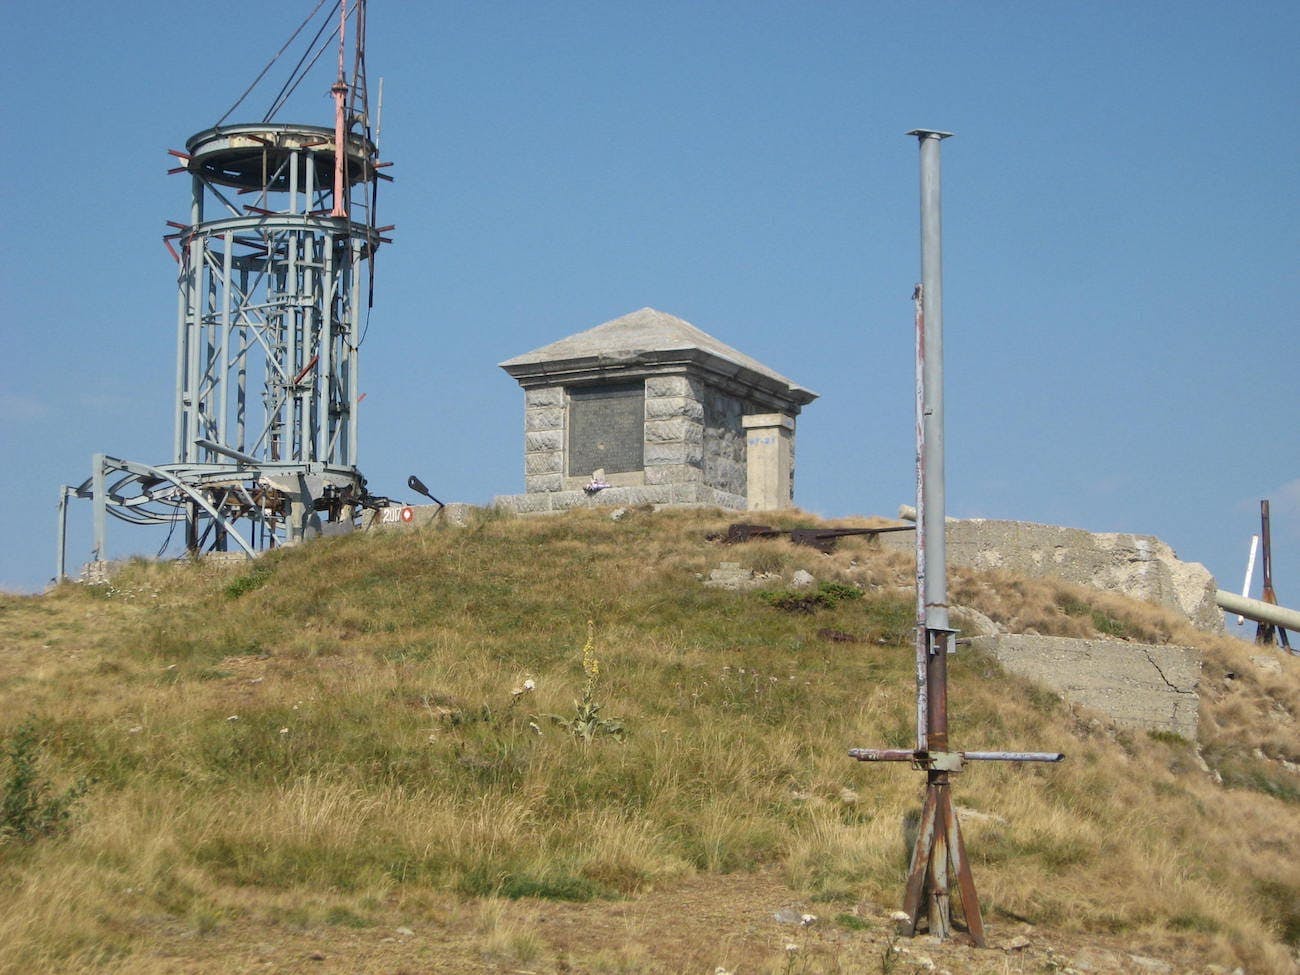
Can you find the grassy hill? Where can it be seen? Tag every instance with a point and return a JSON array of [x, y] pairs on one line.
[[543, 745]]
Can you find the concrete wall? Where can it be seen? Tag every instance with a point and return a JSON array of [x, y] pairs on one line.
[[1141, 686], [1140, 566]]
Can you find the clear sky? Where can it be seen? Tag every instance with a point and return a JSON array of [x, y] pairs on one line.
[[1120, 222]]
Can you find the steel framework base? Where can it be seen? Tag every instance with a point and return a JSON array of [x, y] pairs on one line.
[[939, 856]]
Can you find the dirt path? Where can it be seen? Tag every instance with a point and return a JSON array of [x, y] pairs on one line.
[[744, 924]]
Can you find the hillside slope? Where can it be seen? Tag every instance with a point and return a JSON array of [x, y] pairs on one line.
[[392, 752]]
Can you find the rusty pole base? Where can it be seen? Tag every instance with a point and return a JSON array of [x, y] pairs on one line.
[[939, 855]]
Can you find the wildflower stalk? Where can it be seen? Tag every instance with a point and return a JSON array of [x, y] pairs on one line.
[[586, 722]]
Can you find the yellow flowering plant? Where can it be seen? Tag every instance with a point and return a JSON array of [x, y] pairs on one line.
[[586, 722]]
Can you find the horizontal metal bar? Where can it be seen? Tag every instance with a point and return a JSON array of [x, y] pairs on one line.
[[1013, 756], [884, 754], [217, 448], [908, 755]]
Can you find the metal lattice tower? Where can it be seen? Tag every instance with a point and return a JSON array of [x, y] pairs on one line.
[[275, 275]]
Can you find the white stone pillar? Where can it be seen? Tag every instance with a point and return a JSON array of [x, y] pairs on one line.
[[769, 461]]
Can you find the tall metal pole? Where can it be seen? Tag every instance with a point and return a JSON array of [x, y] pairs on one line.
[[939, 867], [929, 891], [60, 563], [931, 508]]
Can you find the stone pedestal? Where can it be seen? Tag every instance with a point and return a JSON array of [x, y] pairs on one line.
[[769, 461]]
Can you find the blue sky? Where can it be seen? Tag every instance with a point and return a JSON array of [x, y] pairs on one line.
[[1120, 240]]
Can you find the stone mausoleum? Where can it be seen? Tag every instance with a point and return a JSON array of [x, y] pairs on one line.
[[648, 409]]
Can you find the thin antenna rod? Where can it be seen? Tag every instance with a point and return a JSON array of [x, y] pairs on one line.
[[339, 90]]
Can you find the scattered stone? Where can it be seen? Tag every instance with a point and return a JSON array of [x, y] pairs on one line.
[[801, 579], [923, 963], [788, 915], [1270, 665], [848, 796], [729, 575], [405, 932], [1151, 964], [1018, 943], [316, 956], [899, 916], [618, 514], [135, 731], [807, 920]]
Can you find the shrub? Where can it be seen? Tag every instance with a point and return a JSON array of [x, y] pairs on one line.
[[826, 595], [27, 809]]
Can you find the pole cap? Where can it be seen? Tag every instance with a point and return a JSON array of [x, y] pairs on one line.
[[930, 134]]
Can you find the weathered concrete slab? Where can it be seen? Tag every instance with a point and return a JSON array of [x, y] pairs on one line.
[[455, 514], [1137, 685], [1140, 566], [656, 494]]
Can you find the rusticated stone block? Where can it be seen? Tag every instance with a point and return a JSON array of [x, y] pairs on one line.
[[672, 474], [544, 482], [544, 396], [549, 462], [544, 418], [673, 453], [673, 406], [539, 440], [667, 431], [667, 386]]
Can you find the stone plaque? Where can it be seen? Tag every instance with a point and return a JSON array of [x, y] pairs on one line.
[[606, 429]]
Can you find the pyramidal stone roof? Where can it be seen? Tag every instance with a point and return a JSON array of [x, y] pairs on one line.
[[647, 342]]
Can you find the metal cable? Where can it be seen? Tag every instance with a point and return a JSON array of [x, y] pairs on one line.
[[311, 64], [262, 73], [290, 84]]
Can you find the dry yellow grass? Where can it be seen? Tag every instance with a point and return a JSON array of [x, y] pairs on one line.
[[329, 742]]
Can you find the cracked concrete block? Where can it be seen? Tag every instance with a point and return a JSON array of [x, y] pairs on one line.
[[1140, 566], [1138, 685]]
